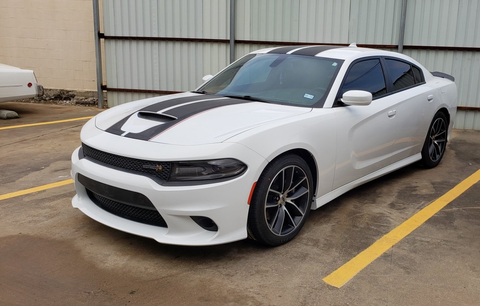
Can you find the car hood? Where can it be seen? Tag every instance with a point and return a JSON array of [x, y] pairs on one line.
[[191, 119]]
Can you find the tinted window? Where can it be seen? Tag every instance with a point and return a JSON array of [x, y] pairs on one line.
[[401, 74], [366, 75], [418, 75]]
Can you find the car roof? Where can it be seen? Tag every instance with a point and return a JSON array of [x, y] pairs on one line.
[[351, 52]]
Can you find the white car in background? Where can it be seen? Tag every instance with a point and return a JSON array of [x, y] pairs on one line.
[[16, 83], [250, 152]]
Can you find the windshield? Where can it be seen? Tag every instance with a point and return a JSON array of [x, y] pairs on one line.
[[279, 78]]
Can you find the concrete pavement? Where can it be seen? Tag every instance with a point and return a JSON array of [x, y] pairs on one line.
[[52, 254]]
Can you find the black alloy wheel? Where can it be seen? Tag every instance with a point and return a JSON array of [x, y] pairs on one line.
[[436, 141], [281, 201]]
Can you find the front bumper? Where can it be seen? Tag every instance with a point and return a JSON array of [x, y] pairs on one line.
[[225, 203]]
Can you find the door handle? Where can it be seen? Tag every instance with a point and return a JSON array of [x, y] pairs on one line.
[[430, 98], [392, 113]]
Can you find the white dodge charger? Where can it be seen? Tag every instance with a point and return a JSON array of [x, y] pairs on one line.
[[249, 153]]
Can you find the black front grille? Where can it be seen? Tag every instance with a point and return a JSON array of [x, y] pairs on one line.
[[160, 170], [121, 202], [133, 213]]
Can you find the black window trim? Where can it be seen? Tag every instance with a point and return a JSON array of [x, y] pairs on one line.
[[386, 74]]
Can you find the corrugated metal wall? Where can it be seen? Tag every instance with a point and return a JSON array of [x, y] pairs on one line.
[[178, 64], [374, 22], [449, 23], [162, 65]]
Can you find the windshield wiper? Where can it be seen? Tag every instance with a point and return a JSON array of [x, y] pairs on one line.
[[249, 98], [203, 92]]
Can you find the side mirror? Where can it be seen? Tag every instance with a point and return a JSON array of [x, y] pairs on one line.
[[357, 97], [207, 77]]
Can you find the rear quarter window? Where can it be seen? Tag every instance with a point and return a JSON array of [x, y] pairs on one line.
[[418, 74]]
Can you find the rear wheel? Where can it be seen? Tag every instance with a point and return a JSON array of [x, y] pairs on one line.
[[281, 201], [436, 141]]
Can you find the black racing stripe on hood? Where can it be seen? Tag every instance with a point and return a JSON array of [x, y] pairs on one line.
[[183, 113], [169, 103], [314, 50], [117, 127], [186, 111], [284, 50]]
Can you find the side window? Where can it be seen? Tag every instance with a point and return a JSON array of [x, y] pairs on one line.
[[418, 75], [401, 74], [366, 75]]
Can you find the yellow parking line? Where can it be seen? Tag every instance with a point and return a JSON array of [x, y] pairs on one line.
[[43, 123], [339, 277], [35, 189]]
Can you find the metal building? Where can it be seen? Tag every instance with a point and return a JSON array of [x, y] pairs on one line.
[[161, 46]]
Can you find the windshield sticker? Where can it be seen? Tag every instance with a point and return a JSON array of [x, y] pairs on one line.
[[308, 96], [334, 64]]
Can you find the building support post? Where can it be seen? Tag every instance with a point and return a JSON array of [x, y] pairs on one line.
[[232, 31], [401, 36], [98, 51]]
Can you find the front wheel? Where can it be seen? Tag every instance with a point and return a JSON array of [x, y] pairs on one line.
[[281, 201], [436, 141]]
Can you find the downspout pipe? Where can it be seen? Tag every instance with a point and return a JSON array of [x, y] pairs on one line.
[[403, 17], [98, 51], [232, 31]]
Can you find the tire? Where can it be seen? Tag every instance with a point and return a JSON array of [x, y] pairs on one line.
[[435, 142], [281, 201]]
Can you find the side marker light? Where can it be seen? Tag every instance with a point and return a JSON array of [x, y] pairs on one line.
[[251, 193]]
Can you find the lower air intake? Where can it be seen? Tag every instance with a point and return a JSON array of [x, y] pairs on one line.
[[123, 203], [137, 214]]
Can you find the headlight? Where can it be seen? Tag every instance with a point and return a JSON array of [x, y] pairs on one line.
[[206, 170]]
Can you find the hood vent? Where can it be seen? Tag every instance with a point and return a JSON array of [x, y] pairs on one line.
[[159, 117]]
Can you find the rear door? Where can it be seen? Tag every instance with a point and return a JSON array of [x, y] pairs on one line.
[[414, 100]]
